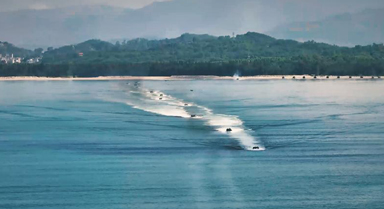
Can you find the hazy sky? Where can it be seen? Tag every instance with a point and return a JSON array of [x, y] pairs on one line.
[[9, 5]]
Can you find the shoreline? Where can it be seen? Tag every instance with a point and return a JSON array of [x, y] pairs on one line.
[[180, 78]]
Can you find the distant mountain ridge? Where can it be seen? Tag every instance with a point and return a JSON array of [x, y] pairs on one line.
[[361, 28], [62, 26], [56, 27]]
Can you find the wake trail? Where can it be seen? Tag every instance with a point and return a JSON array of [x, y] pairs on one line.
[[158, 102]]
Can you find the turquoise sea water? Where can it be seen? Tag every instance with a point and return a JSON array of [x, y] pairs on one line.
[[114, 144]]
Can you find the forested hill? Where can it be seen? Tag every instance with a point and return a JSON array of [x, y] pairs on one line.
[[250, 54], [7, 48], [201, 48]]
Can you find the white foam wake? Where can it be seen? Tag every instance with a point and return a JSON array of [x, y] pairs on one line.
[[162, 104], [154, 103], [222, 122]]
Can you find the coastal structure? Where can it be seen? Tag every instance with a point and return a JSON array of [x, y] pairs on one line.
[[9, 59], [34, 60]]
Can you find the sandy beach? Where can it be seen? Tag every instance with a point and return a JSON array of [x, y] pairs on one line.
[[159, 78]]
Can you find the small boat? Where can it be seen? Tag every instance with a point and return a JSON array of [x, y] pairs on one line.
[[229, 130], [185, 104], [193, 116], [255, 148]]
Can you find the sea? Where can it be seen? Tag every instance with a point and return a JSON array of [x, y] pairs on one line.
[[197, 143]]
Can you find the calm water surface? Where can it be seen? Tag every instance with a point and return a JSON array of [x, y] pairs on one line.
[[116, 144]]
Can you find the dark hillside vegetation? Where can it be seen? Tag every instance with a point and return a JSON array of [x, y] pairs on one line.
[[250, 54], [7, 48]]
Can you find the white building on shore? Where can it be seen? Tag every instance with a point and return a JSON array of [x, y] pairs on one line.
[[34, 60], [10, 59]]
